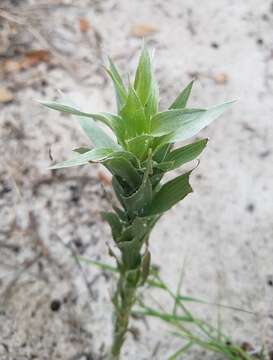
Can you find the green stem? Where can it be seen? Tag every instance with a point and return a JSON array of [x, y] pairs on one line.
[[123, 301]]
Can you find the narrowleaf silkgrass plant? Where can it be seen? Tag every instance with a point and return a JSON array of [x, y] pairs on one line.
[[138, 157]]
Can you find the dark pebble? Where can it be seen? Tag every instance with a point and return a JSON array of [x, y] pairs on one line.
[[55, 305]]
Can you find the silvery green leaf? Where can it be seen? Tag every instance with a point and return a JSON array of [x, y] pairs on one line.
[[120, 90], [192, 126], [97, 136], [143, 78], [114, 122], [182, 99], [106, 118], [169, 194], [94, 155], [134, 115], [62, 107], [186, 153], [171, 121]]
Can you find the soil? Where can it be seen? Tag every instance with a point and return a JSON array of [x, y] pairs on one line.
[[53, 306]]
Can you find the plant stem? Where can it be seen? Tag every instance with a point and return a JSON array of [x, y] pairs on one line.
[[123, 301]]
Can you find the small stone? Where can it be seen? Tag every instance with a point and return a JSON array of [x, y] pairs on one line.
[[6, 95], [55, 305]]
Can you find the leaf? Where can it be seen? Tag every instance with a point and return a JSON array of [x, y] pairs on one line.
[[94, 155], [182, 99], [192, 299], [139, 145], [137, 230], [98, 264], [192, 126], [64, 108], [134, 116], [114, 222], [169, 194], [107, 118], [186, 153], [164, 166], [120, 90], [161, 153], [142, 197], [171, 121], [136, 202], [143, 78], [142, 30], [97, 136], [121, 167], [151, 107], [119, 191], [163, 316], [114, 122], [145, 265], [181, 350]]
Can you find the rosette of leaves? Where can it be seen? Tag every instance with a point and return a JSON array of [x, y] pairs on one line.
[[138, 155]]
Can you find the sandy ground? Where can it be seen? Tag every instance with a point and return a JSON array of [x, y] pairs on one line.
[[55, 308]]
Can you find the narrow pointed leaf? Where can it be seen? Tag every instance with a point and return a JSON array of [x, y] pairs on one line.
[[186, 153], [114, 122], [171, 121], [97, 136], [134, 116], [62, 107], [94, 155], [192, 127], [170, 194], [151, 107], [143, 76], [121, 94], [182, 99]]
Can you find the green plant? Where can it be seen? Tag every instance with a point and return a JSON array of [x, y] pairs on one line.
[[138, 158]]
